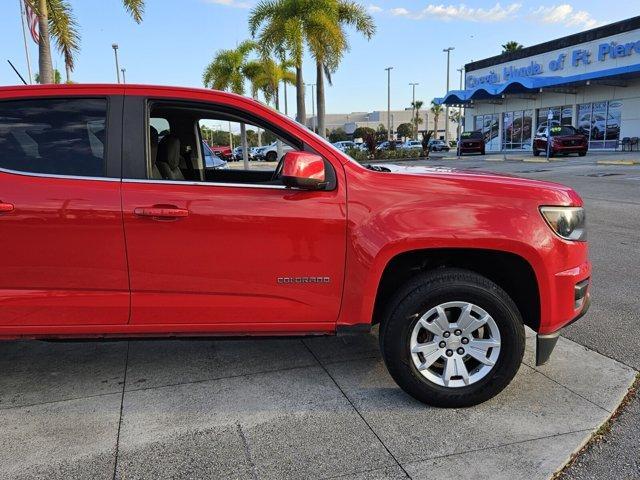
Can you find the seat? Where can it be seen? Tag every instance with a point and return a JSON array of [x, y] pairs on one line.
[[169, 160]]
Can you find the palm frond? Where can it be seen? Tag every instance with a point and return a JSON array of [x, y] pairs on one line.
[[63, 27], [135, 9]]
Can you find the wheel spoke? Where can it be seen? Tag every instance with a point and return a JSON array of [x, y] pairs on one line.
[[425, 348], [468, 323], [478, 349], [430, 359], [455, 367], [439, 325]]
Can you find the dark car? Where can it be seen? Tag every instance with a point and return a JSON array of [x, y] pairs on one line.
[[471, 142], [564, 140]]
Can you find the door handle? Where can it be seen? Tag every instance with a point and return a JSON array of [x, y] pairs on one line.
[[6, 207], [161, 212]]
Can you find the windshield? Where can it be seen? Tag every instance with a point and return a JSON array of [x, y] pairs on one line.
[[471, 135], [562, 130]]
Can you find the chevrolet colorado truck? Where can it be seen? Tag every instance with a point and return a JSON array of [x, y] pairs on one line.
[[109, 230]]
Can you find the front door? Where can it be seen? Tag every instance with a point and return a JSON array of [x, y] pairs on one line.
[[63, 260], [228, 249]]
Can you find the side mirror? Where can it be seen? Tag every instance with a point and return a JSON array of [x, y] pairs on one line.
[[303, 170]]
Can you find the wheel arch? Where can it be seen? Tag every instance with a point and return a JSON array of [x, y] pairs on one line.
[[512, 272]]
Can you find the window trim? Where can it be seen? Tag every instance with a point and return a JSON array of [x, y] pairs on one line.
[[113, 134], [147, 104]]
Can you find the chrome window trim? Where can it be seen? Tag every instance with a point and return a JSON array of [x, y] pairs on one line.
[[206, 184], [53, 175]]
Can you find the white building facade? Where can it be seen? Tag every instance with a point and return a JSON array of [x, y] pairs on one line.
[[590, 80]]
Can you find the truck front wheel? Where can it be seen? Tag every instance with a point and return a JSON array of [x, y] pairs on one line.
[[452, 338]]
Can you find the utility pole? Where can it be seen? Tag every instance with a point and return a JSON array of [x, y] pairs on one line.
[[388, 69], [115, 52], [413, 115], [24, 38], [446, 108]]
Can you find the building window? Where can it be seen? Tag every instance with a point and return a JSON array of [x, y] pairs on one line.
[[561, 116], [489, 126], [516, 130], [600, 122]]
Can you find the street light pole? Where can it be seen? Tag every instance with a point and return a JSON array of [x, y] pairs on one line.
[[313, 105], [124, 78], [388, 69], [446, 109], [115, 52], [413, 107], [461, 116]]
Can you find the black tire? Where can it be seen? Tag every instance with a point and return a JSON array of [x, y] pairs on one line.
[[536, 152], [582, 154], [271, 156], [428, 290]]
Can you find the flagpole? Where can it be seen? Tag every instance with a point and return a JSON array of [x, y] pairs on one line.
[[24, 38]]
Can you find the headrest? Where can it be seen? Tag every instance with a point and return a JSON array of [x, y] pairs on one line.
[[169, 151]]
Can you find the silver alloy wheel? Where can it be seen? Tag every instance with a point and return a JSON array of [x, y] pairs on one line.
[[455, 344]]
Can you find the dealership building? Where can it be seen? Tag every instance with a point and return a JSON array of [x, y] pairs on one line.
[[590, 80]]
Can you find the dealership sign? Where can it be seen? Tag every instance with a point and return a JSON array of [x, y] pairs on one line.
[[586, 57]]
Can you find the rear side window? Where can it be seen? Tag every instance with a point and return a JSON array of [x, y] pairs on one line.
[[54, 136]]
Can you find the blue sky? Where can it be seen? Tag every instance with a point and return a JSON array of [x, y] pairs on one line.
[[178, 38]]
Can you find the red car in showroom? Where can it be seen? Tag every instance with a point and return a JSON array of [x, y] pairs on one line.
[[110, 230], [471, 142], [564, 140]]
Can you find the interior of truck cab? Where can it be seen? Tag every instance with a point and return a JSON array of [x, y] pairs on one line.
[[175, 138]]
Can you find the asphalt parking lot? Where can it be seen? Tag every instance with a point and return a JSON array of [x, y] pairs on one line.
[[325, 407]]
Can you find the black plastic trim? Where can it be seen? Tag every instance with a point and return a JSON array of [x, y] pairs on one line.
[[113, 157], [134, 164], [358, 329]]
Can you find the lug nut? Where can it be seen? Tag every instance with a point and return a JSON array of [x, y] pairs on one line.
[[460, 351], [465, 340], [442, 344], [446, 334], [458, 332], [449, 353]]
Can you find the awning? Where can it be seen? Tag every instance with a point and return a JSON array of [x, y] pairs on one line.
[[534, 84]]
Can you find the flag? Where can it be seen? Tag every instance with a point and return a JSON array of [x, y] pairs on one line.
[[32, 22]]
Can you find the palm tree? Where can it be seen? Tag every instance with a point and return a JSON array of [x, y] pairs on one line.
[[57, 78], [511, 46], [227, 69], [56, 19], [417, 105], [436, 109], [286, 25], [329, 46]]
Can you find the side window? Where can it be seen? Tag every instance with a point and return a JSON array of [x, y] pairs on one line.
[[198, 144], [54, 136]]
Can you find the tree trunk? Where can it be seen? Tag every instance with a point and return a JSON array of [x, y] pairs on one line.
[[68, 72], [301, 113], [45, 66], [245, 149], [435, 127], [322, 131]]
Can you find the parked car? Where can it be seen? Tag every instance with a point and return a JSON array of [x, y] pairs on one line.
[[450, 264], [564, 140], [471, 142], [388, 145], [412, 145], [237, 153], [269, 153], [344, 145], [438, 146], [222, 151], [211, 160]]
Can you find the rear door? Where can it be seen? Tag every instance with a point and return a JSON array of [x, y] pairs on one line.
[[63, 257], [227, 250]]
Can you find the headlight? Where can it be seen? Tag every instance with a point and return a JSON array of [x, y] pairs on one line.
[[566, 222]]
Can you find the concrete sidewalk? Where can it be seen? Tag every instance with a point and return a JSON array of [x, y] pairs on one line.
[[312, 408]]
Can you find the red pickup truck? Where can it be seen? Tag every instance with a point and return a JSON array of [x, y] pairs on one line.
[[109, 230]]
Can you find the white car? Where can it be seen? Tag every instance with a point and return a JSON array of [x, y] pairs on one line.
[[344, 145], [412, 145], [269, 153]]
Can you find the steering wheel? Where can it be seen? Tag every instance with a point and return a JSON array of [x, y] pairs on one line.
[[278, 171]]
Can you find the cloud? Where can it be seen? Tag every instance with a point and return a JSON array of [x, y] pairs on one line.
[[374, 8], [231, 3], [564, 14], [497, 13]]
